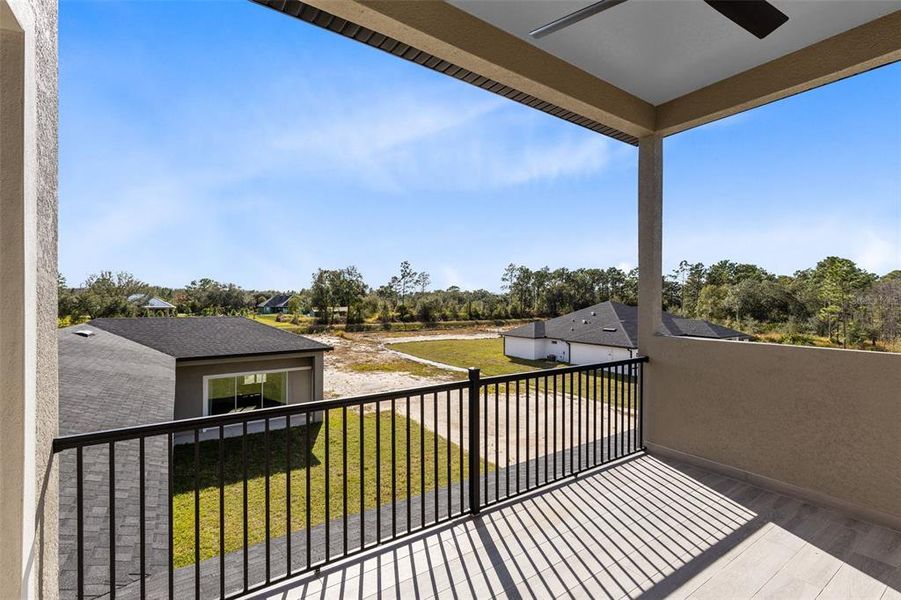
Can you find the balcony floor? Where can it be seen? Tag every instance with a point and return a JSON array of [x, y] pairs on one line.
[[643, 528]]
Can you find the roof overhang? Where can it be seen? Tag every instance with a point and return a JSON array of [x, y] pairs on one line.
[[494, 55], [522, 337], [249, 356]]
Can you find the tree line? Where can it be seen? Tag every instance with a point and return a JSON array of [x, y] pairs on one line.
[[835, 299]]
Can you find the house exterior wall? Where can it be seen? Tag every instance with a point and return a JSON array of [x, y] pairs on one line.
[[535, 349], [558, 348], [525, 348], [568, 352], [585, 354], [817, 422], [303, 386], [28, 269]]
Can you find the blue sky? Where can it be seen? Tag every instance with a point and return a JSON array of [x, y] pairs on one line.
[[225, 140]]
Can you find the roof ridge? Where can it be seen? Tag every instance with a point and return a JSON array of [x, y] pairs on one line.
[[617, 307]]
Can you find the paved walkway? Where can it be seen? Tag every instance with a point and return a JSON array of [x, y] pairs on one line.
[[519, 427]]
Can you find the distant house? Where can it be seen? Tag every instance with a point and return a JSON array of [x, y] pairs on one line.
[[275, 304], [172, 367], [604, 332], [151, 304]]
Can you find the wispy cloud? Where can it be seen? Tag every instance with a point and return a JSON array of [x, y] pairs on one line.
[[876, 252], [187, 183], [257, 158], [423, 140]]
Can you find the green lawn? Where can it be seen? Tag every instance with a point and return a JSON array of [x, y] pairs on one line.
[[401, 365], [488, 355], [271, 320], [183, 514]]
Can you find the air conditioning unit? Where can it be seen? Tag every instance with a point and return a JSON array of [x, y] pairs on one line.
[[552, 357]]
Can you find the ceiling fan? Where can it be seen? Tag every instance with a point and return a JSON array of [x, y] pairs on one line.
[[759, 17]]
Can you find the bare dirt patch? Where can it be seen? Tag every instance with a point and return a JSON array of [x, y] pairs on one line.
[[361, 363]]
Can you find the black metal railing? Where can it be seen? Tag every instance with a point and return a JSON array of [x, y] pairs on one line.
[[220, 506], [560, 422]]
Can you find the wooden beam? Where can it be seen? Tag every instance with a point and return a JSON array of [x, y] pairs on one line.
[[866, 47], [456, 36]]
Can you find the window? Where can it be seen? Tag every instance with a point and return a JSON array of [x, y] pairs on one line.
[[245, 391]]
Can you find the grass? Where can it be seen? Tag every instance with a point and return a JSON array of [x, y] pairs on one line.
[[805, 339], [488, 355], [401, 366], [271, 320], [301, 463]]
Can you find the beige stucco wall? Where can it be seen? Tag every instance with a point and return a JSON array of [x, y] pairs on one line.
[[28, 356], [303, 386], [824, 421]]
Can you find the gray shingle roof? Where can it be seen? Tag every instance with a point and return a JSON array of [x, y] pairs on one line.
[[615, 324], [208, 337], [106, 382], [147, 301], [277, 301], [138, 381]]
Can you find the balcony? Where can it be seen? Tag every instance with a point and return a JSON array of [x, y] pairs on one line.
[[528, 485], [718, 469], [645, 527]]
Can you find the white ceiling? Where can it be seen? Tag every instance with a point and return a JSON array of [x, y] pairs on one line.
[[662, 49]]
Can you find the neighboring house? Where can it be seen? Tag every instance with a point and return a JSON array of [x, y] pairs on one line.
[[600, 333], [151, 304], [123, 372], [275, 304], [217, 364]]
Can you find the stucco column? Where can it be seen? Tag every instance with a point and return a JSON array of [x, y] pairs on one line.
[[28, 355], [650, 240]]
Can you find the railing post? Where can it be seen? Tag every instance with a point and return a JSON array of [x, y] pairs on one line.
[[474, 460], [641, 404]]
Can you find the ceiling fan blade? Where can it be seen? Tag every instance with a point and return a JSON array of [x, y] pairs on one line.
[[574, 17], [756, 16]]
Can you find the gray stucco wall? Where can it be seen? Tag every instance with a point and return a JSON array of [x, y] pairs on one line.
[[303, 386], [28, 143], [821, 422]]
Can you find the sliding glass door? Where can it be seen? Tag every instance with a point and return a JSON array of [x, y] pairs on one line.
[[220, 395], [275, 389], [246, 391]]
